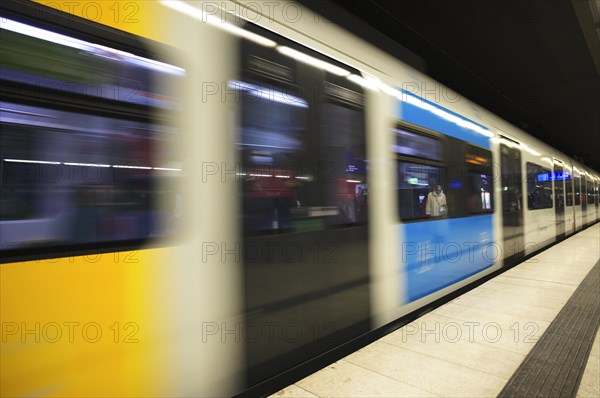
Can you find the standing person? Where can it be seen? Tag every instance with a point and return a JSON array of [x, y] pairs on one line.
[[436, 203]]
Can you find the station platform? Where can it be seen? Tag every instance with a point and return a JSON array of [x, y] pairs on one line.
[[530, 332]]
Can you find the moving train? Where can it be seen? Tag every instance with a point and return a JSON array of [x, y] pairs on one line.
[[199, 198]]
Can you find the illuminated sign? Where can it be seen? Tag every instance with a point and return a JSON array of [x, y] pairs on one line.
[[560, 176]]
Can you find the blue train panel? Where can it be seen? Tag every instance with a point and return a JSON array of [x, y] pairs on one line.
[[436, 254], [422, 112]]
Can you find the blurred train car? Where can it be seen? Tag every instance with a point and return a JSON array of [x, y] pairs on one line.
[[200, 197]]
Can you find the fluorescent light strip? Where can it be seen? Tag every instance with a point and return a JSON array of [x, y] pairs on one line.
[[90, 165], [119, 166], [375, 83], [43, 34], [268, 94], [146, 62], [214, 21], [165, 169], [307, 59], [30, 161], [389, 90], [236, 30], [361, 81], [355, 181], [86, 164], [72, 42], [282, 176]]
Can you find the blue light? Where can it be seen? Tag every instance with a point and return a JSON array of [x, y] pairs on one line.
[[544, 177], [560, 176], [455, 184]]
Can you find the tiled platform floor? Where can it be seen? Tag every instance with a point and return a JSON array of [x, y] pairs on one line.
[[471, 346]]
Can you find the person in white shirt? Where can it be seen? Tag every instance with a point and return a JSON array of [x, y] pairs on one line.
[[436, 203]]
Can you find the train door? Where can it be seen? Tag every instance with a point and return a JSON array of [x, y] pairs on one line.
[[559, 199], [512, 203], [304, 207]]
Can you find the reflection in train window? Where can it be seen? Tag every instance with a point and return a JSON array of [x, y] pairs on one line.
[[558, 177], [415, 181], [78, 178], [539, 187], [569, 191], [412, 144], [295, 176], [420, 168], [272, 143], [481, 198], [52, 61], [583, 193], [577, 190], [342, 153], [480, 186]]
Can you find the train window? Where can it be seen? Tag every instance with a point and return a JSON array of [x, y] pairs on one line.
[[417, 178], [480, 185], [412, 144], [53, 61], [569, 190], [303, 161], [272, 144], [583, 193], [539, 187], [342, 145], [85, 162], [590, 192], [558, 177], [415, 182], [577, 190], [74, 178]]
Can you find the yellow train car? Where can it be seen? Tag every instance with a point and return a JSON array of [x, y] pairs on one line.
[[93, 296]]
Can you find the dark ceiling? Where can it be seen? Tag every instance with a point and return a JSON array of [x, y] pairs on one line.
[[528, 61]]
